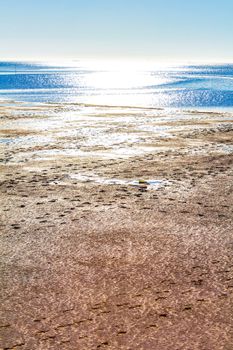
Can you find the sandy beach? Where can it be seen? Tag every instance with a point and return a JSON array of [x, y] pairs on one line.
[[116, 228]]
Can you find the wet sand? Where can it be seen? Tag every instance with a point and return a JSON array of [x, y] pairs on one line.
[[116, 228]]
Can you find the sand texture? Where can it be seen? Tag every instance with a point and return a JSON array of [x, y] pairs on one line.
[[116, 228]]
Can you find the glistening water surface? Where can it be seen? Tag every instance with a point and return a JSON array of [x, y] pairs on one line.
[[203, 86]]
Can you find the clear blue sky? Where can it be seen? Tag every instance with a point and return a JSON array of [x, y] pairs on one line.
[[157, 29]]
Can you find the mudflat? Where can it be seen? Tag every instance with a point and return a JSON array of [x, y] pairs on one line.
[[116, 228]]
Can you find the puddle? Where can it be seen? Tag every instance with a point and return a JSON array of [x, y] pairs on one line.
[[226, 149], [147, 184], [5, 140], [24, 142]]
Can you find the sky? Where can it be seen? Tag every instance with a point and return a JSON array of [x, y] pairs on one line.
[[172, 30]]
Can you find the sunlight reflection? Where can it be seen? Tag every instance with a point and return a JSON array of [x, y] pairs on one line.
[[115, 75], [118, 80], [121, 76]]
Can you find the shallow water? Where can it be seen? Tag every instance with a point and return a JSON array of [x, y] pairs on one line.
[[148, 184]]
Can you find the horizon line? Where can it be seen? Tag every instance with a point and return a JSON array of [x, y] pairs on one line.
[[148, 60]]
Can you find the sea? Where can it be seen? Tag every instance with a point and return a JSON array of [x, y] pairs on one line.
[[117, 84]]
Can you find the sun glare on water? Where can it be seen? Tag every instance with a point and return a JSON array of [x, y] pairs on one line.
[[121, 75], [118, 80], [117, 74]]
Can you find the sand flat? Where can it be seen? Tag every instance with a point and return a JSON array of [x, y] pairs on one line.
[[91, 261]]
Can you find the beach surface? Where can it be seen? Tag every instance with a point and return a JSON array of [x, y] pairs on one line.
[[116, 228]]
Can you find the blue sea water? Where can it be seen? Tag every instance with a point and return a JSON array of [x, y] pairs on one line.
[[199, 86]]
